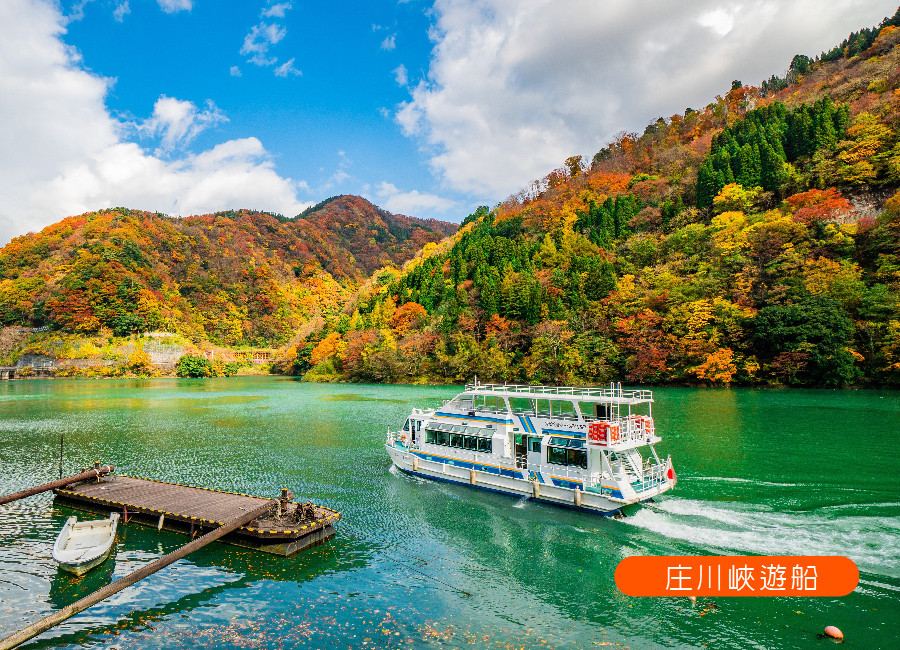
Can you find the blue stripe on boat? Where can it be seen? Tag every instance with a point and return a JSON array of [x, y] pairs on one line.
[[472, 418]]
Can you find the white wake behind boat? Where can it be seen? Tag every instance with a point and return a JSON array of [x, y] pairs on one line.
[[82, 545]]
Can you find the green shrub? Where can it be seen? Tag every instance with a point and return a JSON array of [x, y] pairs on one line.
[[193, 366]]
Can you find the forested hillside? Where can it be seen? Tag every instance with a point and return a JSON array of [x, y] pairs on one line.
[[232, 278], [754, 241]]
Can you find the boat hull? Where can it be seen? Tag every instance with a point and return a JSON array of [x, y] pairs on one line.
[[82, 546], [84, 567], [410, 463]]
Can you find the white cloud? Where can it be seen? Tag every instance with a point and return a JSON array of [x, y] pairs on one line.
[[174, 6], [234, 71], [412, 203], [258, 41], [516, 86], [177, 122], [400, 75], [287, 69], [276, 10], [122, 9], [339, 175], [72, 155], [720, 21], [389, 43]]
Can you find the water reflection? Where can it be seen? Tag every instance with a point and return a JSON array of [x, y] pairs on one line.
[[755, 477]]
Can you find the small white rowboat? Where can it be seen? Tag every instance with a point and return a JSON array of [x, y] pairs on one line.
[[83, 545]]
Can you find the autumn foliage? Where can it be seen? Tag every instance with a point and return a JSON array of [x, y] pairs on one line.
[[755, 240], [233, 278], [751, 241]]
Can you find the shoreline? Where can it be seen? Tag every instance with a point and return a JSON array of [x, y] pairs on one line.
[[268, 373]]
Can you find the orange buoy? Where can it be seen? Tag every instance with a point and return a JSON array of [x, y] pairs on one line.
[[834, 633]]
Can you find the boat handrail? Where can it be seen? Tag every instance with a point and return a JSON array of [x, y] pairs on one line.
[[613, 392], [652, 476], [567, 472], [635, 429]]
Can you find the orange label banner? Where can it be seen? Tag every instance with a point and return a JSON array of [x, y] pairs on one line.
[[740, 575]]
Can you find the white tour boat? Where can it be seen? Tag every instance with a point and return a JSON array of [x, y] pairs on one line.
[[579, 447], [82, 545]]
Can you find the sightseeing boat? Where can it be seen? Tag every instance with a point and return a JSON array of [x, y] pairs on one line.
[[589, 448]]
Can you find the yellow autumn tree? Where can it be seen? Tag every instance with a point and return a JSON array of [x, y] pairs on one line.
[[735, 198], [718, 368]]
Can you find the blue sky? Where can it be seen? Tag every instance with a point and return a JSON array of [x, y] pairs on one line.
[[327, 117], [426, 107]]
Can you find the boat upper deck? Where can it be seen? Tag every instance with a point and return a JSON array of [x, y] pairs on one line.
[[614, 394]]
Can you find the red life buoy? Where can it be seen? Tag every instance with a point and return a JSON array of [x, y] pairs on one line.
[[597, 432], [614, 434]]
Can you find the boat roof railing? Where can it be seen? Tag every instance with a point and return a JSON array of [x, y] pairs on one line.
[[614, 393]]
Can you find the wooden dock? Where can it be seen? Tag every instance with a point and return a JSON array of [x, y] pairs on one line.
[[194, 510]]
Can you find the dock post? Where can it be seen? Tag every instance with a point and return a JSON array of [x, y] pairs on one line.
[[87, 474], [65, 613]]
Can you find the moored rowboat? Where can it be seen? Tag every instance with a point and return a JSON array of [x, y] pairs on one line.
[[83, 545]]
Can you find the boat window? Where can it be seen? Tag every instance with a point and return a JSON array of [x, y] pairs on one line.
[[521, 405], [406, 426], [542, 406], [563, 409], [577, 457], [567, 442], [535, 444], [472, 443], [556, 455], [568, 452]]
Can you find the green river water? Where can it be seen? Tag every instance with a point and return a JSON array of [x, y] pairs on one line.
[[421, 564]]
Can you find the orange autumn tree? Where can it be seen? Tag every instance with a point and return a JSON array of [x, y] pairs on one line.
[[408, 316], [815, 206], [718, 368], [327, 347]]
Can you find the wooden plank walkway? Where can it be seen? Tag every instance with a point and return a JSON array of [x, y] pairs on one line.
[[190, 509]]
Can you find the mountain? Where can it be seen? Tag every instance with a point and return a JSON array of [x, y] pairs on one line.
[[341, 224], [755, 241], [232, 278]]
